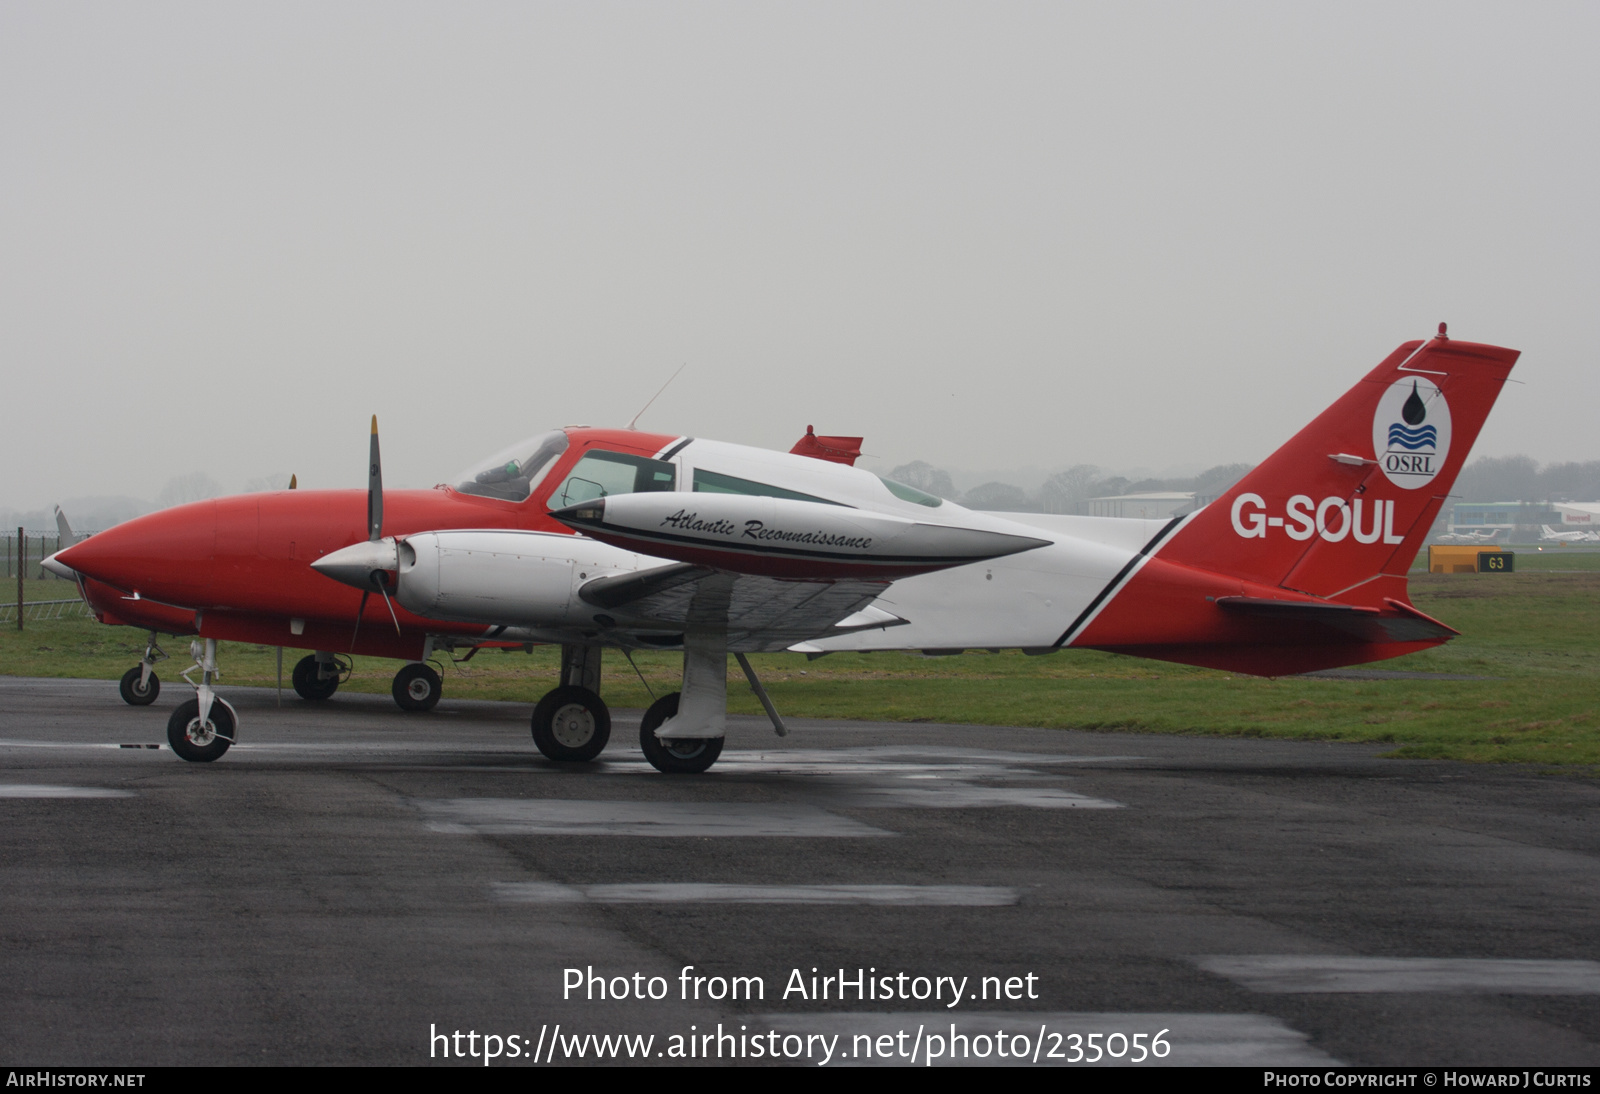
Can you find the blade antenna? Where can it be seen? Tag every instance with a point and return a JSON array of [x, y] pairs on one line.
[[635, 423]]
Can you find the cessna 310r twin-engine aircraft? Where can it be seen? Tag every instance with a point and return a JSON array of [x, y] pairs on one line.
[[594, 537]]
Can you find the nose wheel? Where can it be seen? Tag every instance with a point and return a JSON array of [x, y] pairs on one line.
[[571, 724], [202, 728], [139, 686], [200, 741]]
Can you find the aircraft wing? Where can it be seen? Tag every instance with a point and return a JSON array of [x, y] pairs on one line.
[[759, 613]]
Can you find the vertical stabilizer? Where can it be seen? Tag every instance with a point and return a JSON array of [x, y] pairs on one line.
[[1353, 495]]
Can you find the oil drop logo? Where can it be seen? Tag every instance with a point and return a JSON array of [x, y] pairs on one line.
[[1411, 432]]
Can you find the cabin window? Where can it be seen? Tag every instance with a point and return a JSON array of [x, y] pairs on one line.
[[911, 493], [709, 482], [601, 474]]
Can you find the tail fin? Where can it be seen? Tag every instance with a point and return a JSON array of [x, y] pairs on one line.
[[1351, 497], [1302, 565], [64, 535]]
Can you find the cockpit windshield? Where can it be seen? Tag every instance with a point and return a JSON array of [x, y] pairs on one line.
[[513, 473]]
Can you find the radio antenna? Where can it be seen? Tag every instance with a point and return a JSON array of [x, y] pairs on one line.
[[635, 423]]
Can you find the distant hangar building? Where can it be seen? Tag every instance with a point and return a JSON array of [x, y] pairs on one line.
[[1578, 514]]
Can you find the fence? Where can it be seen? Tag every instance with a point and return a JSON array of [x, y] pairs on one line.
[[36, 611], [36, 547]]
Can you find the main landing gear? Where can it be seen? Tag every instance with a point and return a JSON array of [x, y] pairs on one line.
[[202, 728], [681, 733], [572, 723], [675, 755], [140, 684], [316, 676], [417, 687]]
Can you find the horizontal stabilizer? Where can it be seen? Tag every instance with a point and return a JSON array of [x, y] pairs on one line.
[[1356, 624]]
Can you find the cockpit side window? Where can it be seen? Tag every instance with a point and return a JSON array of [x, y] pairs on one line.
[[711, 482], [601, 474], [512, 474]]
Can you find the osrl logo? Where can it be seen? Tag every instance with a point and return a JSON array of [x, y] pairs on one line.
[[1333, 519], [1411, 432]]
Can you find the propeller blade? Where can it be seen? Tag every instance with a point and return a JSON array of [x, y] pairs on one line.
[[390, 605], [361, 611], [374, 489]]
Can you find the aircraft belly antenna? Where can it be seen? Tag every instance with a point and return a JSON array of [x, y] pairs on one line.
[[634, 425]]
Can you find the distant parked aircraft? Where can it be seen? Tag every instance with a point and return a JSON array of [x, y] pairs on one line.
[[1550, 535], [1469, 538]]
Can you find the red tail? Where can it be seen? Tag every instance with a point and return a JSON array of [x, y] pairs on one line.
[[1302, 564]]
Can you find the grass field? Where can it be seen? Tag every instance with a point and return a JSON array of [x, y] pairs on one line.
[[1535, 632]]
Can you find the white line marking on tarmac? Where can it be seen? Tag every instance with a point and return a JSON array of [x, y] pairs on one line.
[[1303, 974], [70, 744], [1196, 1040], [30, 790], [522, 817], [899, 896], [963, 796]]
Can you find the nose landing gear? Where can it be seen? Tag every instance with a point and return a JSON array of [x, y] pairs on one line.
[[202, 728], [140, 685]]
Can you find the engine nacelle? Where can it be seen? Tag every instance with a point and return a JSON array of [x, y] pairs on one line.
[[503, 577]]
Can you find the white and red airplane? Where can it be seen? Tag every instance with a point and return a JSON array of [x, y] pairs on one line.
[[593, 538], [1550, 535]]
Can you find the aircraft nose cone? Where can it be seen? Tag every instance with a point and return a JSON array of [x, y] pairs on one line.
[[164, 556]]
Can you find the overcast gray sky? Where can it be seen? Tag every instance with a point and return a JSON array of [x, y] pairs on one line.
[[985, 235]]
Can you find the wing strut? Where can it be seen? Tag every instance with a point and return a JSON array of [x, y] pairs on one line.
[[761, 693]]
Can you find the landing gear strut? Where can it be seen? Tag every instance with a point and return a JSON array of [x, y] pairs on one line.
[[140, 685], [202, 728], [572, 723]]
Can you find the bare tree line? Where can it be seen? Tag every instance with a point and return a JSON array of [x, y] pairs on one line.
[[1066, 491]]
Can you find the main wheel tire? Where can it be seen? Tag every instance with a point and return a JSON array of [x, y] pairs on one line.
[[197, 743], [571, 724], [679, 755], [417, 687], [134, 692], [306, 683]]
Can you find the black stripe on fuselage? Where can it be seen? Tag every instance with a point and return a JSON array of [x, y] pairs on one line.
[[1122, 575], [675, 449], [787, 552]]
